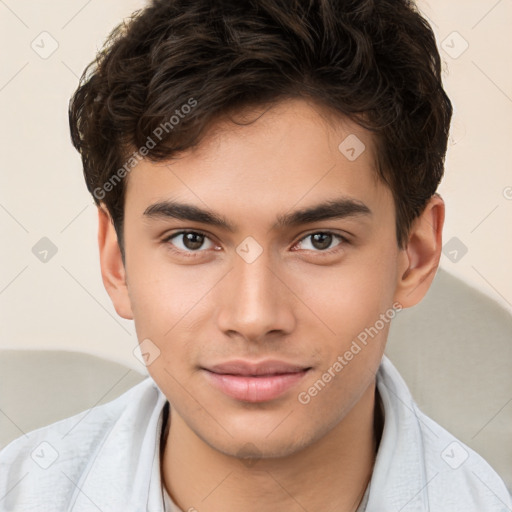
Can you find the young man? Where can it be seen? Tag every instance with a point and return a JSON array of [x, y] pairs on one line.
[[265, 174]]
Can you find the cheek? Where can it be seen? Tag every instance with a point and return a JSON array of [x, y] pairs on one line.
[[171, 307], [359, 310], [164, 295], [353, 297], [155, 304]]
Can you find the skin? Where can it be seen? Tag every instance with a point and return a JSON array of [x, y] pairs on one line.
[[298, 302]]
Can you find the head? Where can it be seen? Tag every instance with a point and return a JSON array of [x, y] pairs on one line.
[[299, 145]]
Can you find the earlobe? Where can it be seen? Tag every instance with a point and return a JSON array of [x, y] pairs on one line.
[[420, 259], [113, 271]]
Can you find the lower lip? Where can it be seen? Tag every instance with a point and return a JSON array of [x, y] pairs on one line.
[[255, 389]]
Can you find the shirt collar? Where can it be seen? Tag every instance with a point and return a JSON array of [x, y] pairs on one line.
[[399, 465]]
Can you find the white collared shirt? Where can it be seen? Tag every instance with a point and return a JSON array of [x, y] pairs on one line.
[[108, 459]]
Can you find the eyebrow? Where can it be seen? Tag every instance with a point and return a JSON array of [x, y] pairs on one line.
[[339, 208]]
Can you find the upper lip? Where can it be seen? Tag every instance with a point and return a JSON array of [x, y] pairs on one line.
[[246, 368]]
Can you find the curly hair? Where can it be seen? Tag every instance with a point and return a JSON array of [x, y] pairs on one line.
[[171, 70]]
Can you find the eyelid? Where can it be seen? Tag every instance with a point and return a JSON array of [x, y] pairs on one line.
[[327, 231]]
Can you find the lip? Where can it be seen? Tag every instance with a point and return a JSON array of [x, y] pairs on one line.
[[247, 368], [255, 382]]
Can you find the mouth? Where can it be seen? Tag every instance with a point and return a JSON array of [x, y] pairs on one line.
[[255, 382]]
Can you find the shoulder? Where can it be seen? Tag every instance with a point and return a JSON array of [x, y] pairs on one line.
[[424, 465], [460, 478], [41, 469]]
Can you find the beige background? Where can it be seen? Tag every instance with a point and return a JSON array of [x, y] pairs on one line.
[[62, 303]]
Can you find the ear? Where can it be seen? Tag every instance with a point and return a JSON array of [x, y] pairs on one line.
[[113, 271], [420, 259]]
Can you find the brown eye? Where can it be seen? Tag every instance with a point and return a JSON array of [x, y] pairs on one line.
[[193, 241], [321, 241], [188, 241]]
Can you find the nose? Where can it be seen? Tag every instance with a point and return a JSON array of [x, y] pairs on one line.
[[256, 302]]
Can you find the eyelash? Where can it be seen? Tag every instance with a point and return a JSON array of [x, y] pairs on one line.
[[194, 254]]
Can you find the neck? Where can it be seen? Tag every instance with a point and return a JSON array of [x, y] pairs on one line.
[[331, 474]]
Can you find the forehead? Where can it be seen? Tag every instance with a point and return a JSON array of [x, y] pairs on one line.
[[291, 153], [276, 127]]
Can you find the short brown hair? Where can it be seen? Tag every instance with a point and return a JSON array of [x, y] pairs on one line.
[[177, 66]]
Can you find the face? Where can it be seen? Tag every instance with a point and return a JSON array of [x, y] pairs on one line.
[[248, 309]]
